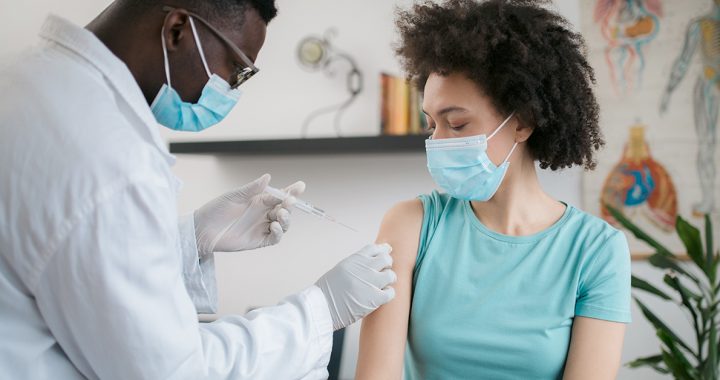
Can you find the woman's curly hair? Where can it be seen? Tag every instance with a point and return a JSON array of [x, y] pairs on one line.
[[525, 57]]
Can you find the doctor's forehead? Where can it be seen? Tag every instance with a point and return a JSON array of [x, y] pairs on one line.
[[248, 32], [244, 22]]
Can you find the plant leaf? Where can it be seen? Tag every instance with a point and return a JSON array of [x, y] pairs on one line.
[[715, 267], [674, 282], [706, 312], [649, 361], [693, 242], [685, 296], [665, 262], [677, 369], [679, 357], [655, 359], [716, 261], [711, 362], [660, 325], [641, 284], [640, 234], [717, 349], [710, 250]]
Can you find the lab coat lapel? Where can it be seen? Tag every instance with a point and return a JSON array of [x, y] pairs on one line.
[[88, 46]]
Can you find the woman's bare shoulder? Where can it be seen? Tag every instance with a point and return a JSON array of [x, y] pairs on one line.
[[401, 229]]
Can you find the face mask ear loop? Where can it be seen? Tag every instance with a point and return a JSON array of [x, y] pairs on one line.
[[501, 125], [165, 54], [199, 46], [511, 152]]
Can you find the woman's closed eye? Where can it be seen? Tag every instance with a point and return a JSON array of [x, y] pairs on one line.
[[457, 127], [454, 127]]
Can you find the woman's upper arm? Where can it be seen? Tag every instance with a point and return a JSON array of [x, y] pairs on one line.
[[595, 349], [384, 332]]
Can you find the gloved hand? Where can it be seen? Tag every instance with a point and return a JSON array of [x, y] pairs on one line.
[[243, 219], [359, 284]]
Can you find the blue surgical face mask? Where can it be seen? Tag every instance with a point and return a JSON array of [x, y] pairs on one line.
[[462, 168], [216, 100]]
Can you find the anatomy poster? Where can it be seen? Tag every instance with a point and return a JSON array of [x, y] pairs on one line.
[[657, 65]]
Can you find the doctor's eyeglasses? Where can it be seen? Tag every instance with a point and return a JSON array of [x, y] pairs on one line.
[[241, 74]]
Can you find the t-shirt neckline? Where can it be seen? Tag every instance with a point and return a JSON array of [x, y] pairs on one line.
[[475, 222]]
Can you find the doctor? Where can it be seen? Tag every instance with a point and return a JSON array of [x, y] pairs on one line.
[[98, 279]]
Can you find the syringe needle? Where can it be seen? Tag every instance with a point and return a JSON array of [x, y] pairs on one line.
[[344, 225], [306, 207], [348, 227]]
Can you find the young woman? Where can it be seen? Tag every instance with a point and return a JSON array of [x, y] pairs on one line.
[[496, 279]]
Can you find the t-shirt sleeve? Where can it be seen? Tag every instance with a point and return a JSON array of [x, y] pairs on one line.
[[604, 290], [433, 204]]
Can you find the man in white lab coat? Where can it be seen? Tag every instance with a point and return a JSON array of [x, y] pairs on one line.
[[98, 279]]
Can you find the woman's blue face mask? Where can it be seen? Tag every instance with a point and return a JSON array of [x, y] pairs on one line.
[[462, 168], [216, 100]]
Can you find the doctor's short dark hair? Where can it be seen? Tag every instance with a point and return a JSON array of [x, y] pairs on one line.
[[219, 8], [214, 10], [525, 57]]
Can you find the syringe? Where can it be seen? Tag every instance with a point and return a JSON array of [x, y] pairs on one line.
[[306, 207]]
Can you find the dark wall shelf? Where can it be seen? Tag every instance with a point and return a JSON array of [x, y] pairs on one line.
[[341, 145]]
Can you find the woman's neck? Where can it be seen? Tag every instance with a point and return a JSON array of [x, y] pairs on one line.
[[520, 206]]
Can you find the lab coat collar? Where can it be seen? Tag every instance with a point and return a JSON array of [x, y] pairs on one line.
[[85, 44]]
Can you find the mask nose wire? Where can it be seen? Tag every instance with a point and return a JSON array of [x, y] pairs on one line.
[[199, 46]]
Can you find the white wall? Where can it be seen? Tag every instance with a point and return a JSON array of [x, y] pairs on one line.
[[357, 189]]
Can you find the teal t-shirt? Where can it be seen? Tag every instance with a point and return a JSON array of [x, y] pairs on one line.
[[491, 306]]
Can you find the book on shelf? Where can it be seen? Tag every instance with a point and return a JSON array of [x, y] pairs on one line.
[[400, 107]]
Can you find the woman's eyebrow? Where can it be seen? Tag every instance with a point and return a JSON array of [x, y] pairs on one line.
[[447, 110]]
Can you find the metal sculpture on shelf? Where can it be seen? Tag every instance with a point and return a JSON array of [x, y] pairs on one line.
[[318, 54]]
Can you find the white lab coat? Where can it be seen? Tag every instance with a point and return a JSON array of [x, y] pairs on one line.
[[97, 278]]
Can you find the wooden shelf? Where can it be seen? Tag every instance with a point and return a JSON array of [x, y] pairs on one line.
[[313, 146]]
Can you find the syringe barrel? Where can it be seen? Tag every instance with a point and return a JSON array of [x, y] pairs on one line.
[[299, 203], [308, 208], [304, 206], [277, 193]]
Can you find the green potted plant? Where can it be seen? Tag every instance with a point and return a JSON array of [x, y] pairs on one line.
[[694, 286]]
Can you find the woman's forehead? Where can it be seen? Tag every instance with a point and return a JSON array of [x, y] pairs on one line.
[[452, 93]]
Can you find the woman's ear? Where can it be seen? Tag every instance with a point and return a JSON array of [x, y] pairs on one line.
[[523, 130], [176, 28]]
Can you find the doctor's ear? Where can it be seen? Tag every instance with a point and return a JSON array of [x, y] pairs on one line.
[[177, 29], [523, 129]]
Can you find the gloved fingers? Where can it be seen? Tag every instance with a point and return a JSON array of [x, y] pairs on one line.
[[270, 201], [387, 295], [385, 278], [275, 235], [296, 189], [381, 262], [253, 188], [373, 250], [292, 191], [391, 276], [280, 215], [289, 202]]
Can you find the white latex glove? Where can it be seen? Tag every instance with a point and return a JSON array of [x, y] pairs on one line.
[[359, 284], [244, 219]]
